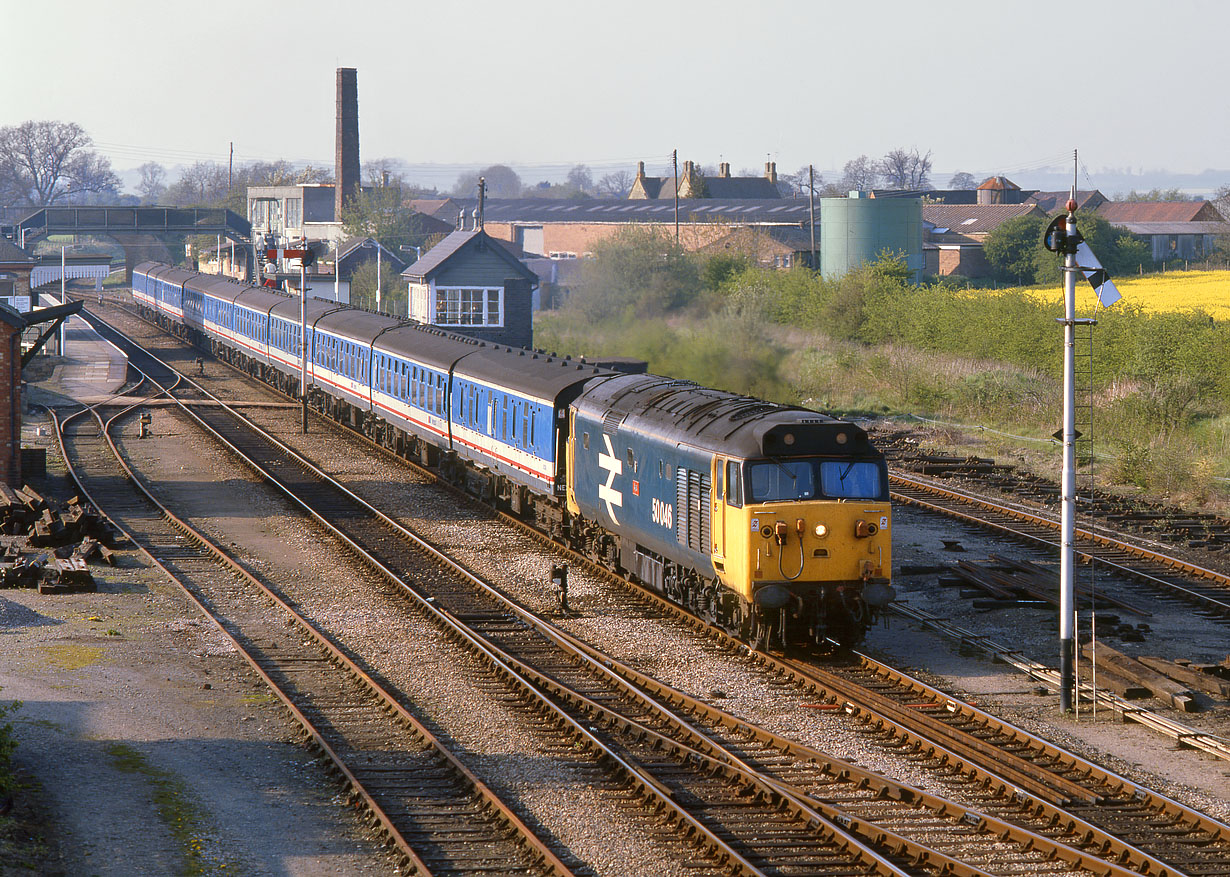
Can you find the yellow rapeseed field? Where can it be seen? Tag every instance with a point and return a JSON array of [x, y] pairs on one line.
[[1208, 291]]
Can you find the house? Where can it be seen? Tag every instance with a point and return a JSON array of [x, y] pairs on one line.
[[771, 247], [565, 229], [1173, 229], [1053, 202], [693, 184], [954, 235], [15, 267], [470, 283]]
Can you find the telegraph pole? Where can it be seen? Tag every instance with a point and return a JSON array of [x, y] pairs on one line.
[[811, 210], [675, 165]]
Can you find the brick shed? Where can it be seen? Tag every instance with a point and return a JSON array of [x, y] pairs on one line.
[[11, 324]]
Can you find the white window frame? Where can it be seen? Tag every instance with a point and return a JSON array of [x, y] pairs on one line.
[[440, 294]]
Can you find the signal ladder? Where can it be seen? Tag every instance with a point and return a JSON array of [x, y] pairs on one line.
[[1083, 388]]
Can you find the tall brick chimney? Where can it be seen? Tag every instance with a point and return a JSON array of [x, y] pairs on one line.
[[346, 146]]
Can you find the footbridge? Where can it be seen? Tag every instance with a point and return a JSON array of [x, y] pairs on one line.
[[141, 231]]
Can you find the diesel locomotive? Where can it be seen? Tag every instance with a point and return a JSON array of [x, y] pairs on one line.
[[770, 521]]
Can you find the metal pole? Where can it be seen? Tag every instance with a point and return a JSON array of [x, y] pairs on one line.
[[811, 210], [337, 289], [218, 253], [303, 346], [63, 296], [378, 276], [1067, 587]]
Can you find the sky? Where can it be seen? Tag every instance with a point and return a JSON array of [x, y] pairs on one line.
[[996, 86]]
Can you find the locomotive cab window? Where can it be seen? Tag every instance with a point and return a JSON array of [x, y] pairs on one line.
[[851, 479], [734, 485], [775, 479]]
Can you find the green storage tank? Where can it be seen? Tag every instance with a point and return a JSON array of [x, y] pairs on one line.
[[857, 229]]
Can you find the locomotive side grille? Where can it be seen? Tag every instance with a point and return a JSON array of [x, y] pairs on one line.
[[681, 505], [692, 499], [702, 502]]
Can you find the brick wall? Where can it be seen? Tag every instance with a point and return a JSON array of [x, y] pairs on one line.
[[10, 415], [965, 262]]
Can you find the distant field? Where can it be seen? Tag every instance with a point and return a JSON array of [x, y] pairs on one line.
[[1208, 291]]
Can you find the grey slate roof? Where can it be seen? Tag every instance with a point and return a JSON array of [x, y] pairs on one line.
[[741, 187], [1198, 227], [434, 258], [10, 252], [348, 247], [729, 211]]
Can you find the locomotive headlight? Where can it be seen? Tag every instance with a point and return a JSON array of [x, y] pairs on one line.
[[821, 531]]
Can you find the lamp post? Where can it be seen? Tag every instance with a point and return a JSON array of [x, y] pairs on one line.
[[303, 346], [63, 294]]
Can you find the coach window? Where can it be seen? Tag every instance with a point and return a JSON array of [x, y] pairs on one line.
[[734, 485]]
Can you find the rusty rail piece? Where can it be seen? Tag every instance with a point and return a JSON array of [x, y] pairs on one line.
[[1134, 561], [1148, 863], [745, 824], [1183, 735], [398, 770]]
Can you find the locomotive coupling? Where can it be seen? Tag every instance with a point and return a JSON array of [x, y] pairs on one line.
[[863, 529], [779, 532]]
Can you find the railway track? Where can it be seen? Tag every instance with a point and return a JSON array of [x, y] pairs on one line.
[[510, 630], [1207, 590], [439, 817]]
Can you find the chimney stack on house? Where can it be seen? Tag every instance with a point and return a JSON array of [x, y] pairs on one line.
[[770, 171], [346, 146], [724, 170]]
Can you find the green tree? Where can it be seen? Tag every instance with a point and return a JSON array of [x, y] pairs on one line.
[[637, 272], [379, 214], [1117, 249], [1012, 249], [393, 291], [502, 182]]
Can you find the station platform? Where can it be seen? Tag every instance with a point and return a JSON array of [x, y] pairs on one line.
[[90, 370]]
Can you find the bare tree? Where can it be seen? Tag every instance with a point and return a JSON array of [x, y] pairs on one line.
[[906, 170], [860, 173], [795, 185], [153, 182], [616, 184], [203, 184], [963, 180], [44, 162], [581, 178]]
